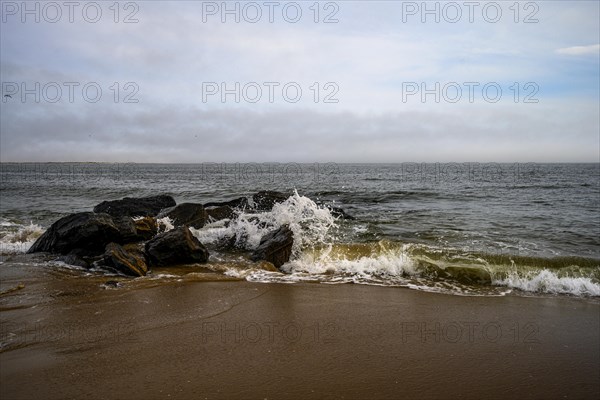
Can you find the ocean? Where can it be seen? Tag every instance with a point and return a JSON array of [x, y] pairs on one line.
[[474, 229]]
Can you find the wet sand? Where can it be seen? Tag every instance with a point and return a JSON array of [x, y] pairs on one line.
[[229, 340]]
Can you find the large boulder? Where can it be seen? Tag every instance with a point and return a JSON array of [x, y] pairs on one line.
[[217, 213], [135, 206], [190, 214], [136, 230], [128, 262], [177, 246], [73, 259], [226, 243], [127, 229], [266, 199], [275, 247], [87, 233], [146, 228], [239, 203]]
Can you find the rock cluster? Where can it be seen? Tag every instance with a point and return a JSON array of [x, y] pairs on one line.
[[123, 235], [275, 247], [135, 207]]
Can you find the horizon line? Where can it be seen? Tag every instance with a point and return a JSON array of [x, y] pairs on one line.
[[300, 162]]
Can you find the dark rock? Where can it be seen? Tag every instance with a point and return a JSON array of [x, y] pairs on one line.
[[217, 213], [146, 228], [126, 228], [89, 257], [266, 199], [87, 232], [74, 259], [231, 243], [239, 203], [118, 258], [275, 247], [178, 246], [112, 284], [225, 243], [338, 212], [190, 214], [137, 250], [136, 206], [136, 230]]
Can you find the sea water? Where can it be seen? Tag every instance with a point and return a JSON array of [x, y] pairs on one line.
[[459, 228]]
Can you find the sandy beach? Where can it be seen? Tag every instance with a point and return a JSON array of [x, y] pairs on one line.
[[211, 340], [299, 200]]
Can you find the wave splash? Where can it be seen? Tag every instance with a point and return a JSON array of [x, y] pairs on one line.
[[324, 252], [427, 268], [318, 256], [546, 281], [16, 238], [310, 223]]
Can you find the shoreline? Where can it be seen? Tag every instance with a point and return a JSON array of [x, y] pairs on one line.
[[238, 339]]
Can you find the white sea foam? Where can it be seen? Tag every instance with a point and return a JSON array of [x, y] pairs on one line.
[[19, 240], [546, 281], [383, 262], [362, 228], [165, 224], [310, 224], [392, 264], [62, 264], [317, 257]]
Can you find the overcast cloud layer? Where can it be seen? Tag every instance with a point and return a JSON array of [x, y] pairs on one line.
[[503, 83]]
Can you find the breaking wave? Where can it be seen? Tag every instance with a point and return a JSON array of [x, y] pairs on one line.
[[16, 238], [327, 250]]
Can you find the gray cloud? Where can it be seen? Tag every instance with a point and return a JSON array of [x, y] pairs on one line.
[[369, 54], [188, 134]]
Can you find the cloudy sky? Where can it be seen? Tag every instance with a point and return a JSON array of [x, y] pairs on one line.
[[343, 81]]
